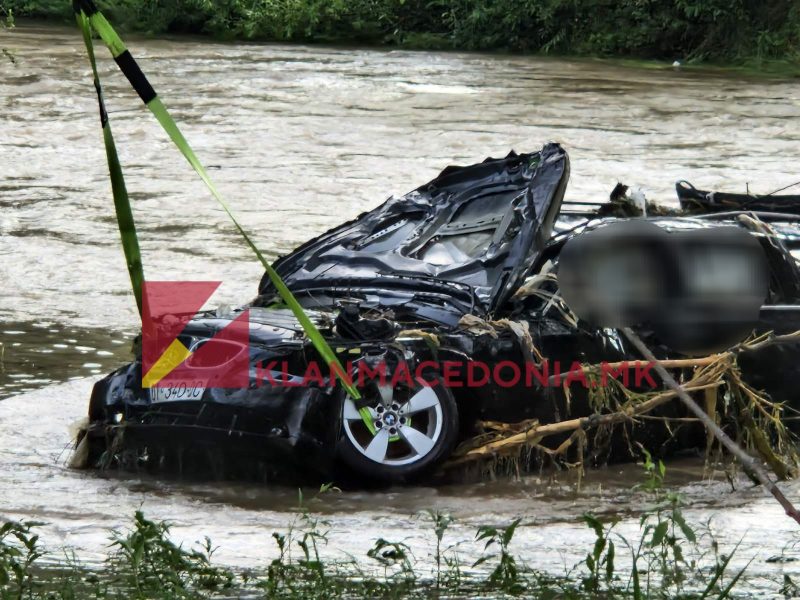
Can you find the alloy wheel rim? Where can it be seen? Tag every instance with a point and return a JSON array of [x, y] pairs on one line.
[[407, 425]]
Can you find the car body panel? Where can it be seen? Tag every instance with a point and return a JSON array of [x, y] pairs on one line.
[[472, 229], [384, 285]]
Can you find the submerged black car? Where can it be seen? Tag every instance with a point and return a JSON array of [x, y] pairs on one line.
[[430, 290]]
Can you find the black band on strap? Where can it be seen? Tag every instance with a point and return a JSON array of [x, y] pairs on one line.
[[131, 70], [86, 6], [101, 103]]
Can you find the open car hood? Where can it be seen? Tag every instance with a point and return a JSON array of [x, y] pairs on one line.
[[461, 243]]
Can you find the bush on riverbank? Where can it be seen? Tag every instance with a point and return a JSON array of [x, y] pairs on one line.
[[669, 560], [720, 30]]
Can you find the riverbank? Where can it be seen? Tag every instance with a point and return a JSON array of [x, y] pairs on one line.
[[666, 557], [752, 35], [78, 510]]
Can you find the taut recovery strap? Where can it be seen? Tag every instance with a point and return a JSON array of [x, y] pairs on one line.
[[88, 16], [122, 206]]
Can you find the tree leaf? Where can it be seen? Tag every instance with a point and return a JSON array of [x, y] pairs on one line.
[[659, 533]]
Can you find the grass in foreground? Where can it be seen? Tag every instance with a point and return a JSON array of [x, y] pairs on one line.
[[669, 559]]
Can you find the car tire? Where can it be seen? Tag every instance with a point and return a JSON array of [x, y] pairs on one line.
[[399, 452]]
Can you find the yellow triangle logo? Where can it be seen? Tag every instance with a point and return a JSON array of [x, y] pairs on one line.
[[174, 355]]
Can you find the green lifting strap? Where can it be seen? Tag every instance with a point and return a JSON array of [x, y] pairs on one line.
[[88, 15], [122, 205]]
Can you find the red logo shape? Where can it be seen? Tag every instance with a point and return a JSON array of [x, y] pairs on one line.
[[179, 360]]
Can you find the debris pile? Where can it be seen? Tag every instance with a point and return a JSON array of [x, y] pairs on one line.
[[749, 416]]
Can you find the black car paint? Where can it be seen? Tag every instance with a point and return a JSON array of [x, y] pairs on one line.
[[394, 257], [292, 433]]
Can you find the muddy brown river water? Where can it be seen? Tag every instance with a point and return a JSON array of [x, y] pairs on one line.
[[298, 139]]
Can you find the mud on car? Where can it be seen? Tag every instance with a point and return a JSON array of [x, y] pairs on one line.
[[461, 271]]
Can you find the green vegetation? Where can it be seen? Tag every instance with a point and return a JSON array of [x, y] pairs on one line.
[[6, 18], [688, 30], [6, 22], [669, 559]]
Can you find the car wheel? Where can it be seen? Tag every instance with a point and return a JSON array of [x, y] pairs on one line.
[[412, 430]]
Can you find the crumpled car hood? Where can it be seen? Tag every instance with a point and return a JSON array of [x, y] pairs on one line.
[[458, 244]]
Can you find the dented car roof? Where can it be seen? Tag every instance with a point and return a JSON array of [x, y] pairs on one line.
[[461, 243]]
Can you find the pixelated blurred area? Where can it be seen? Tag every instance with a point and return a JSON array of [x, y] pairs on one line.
[[700, 290]]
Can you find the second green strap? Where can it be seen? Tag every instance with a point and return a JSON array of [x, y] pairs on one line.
[[87, 10]]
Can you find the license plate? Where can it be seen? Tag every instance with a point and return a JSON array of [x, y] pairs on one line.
[[175, 393]]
